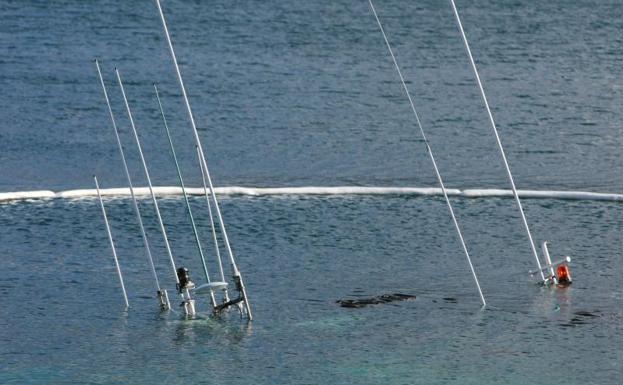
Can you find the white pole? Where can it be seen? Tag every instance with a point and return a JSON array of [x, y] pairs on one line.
[[112, 243], [212, 226], [430, 153], [204, 163], [181, 180], [127, 173], [497, 138], [195, 133], [151, 189], [548, 260]]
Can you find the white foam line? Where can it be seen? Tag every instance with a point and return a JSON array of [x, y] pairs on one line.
[[22, 195], [313, 190]]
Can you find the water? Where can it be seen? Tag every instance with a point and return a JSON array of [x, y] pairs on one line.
[[304, 94]]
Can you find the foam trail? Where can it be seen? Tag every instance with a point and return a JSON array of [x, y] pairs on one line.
[[260, 191], [23, 195], [543, 194], [314, 190]]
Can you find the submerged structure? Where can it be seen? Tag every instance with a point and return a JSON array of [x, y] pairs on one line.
[[216, 290], [546, 271]]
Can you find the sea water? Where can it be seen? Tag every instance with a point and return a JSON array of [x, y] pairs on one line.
[[291, 94]]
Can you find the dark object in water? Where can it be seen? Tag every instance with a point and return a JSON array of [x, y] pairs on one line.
[[384, 298], [585, 313], [581, 317]]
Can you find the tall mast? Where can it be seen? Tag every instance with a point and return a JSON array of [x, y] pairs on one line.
[[181, 181], [112, 243], [151, 189], [137, 211], [212, 226], [497, 138], [430, 153], [204, 164]]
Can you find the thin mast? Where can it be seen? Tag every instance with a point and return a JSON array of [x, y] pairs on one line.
[[212, 227], [151, 189], [204, 163], [497, 138], [112, 243], [196, 133], [181, 180], [127, 173], [430, 153]]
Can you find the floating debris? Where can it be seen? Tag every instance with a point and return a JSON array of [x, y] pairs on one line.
[[584, 313], [383, 298], [581, 317]]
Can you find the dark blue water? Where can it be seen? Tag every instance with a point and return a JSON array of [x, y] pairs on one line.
[[304, 93]]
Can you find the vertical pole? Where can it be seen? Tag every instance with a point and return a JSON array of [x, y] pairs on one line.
[[181, 181], [112, 243], [127, 173], [204, 164], [430, 153], [497, 138], [151, 189], [548, 260], [212, 226]]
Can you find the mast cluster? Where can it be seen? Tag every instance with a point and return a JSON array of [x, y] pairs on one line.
[[217, 291]]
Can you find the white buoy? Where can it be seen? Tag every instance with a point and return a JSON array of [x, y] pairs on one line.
[[236, 273], [430, 153], [162, 297], [112, 243]]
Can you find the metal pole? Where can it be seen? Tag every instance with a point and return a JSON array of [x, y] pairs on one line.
[[548, 261], [212, 226], [430, 153], [497, 138], [181, 180], [204, 164], [127, 173], [151, 189], [112, 243]]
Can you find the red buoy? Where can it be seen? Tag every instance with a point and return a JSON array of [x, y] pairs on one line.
[[563, 275]]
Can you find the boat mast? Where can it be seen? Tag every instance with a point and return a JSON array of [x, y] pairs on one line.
[[112, 243], [430, 153], [151, 189], [161, 295], [181, 181], [204, 164], [497, 138]]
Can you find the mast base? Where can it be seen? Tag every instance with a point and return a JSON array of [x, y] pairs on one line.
[[163, 300], [189, 307], [241, 302]]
